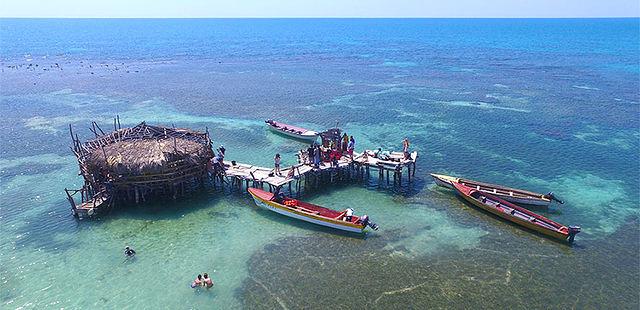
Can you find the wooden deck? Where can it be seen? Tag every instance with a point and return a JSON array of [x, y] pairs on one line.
[[246, 173]]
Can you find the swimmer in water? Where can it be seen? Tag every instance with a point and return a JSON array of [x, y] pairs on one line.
[[129, 252], [207, 281], [197, 282]]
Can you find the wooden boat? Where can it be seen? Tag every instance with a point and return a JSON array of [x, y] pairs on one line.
[[507, 193], [516, 214], [309, 212], [292, 131]]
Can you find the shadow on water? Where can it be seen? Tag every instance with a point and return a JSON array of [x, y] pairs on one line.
[[165, 208]]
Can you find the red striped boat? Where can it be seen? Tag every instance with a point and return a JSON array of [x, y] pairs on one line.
[[516, 214], [310, 213]]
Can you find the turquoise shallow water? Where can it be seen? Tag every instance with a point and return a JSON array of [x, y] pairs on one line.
[[538, 104]]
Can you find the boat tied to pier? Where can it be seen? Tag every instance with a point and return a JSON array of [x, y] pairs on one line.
[[515, 214], [342, 220], [513, 195], [292, 131]]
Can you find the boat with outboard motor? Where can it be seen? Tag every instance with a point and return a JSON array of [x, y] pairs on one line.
[[342, 220], [292, 131], [507, 193], [516, 214]]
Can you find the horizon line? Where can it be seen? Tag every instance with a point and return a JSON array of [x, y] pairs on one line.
[[320, 17]]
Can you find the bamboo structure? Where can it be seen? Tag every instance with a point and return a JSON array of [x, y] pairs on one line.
[[132, 165]]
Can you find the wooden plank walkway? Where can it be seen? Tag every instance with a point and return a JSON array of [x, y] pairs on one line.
[[258, 176]]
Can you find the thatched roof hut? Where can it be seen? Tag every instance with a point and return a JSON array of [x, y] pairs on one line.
[[144, 160], [147, 156]]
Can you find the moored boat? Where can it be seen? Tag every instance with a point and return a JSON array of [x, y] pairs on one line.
[[515, 214], [311, 213], [514, 195], [292, 131]]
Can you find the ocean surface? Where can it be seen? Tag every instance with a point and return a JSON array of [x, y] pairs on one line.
[[541, 104]]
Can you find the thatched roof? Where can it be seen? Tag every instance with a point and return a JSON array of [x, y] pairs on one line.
[[146, 149]]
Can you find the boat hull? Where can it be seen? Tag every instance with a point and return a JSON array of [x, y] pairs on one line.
[[307, 138], [516, 220], [281, 209], [445, 181]]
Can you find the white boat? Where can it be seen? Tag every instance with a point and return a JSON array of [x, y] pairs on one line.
[[310, 213], [292, 131]]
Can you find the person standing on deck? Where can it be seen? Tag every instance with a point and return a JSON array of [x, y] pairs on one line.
[[276, 162], [310, 154], [351, 147], [345, 142], [316, 156], [405, 148]]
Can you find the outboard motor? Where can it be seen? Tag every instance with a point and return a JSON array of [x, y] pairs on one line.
[[573, 230], [551, 196], [366, 222]]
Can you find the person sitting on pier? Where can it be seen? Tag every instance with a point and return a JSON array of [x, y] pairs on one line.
[[129, 252], [384, 155], [207, 281], [291, 173]]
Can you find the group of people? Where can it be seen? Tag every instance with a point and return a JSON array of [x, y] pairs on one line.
[[346, 144], [330, 151], [202, 281]]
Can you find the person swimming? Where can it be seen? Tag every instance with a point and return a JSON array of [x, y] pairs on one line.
[[129, 252], [197, 282], [207, 281]]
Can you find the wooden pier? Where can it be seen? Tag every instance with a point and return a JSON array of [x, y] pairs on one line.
[[293, 179]]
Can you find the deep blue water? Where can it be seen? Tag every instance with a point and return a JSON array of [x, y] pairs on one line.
[[542, 104]]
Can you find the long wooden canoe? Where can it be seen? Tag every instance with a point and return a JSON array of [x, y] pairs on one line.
[[292, 131], [310, 213], [514, 195], [516, 214]]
